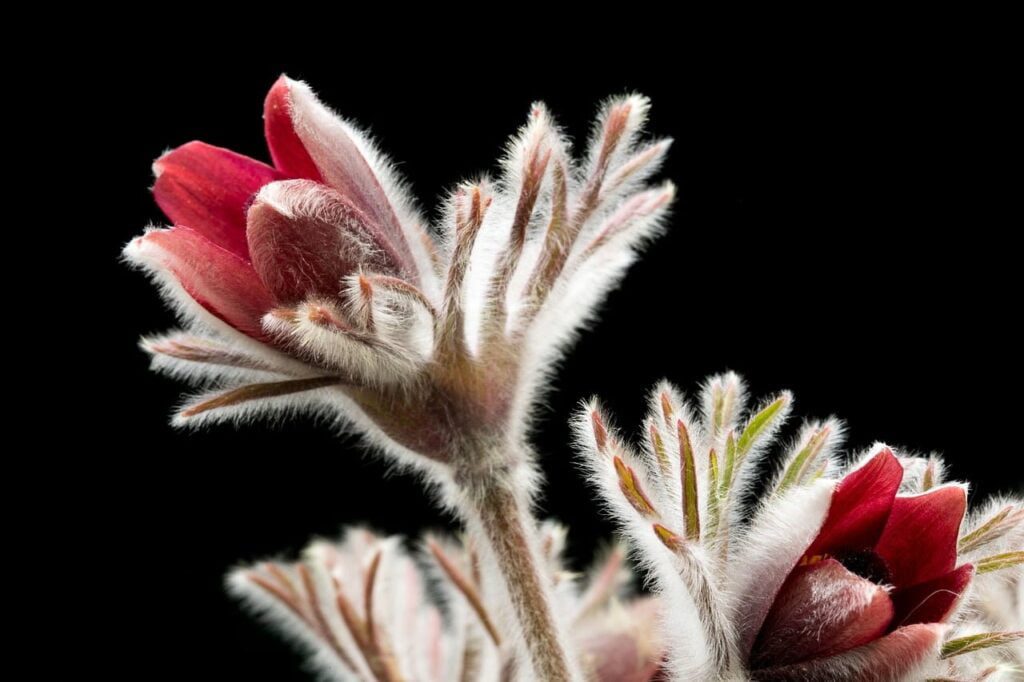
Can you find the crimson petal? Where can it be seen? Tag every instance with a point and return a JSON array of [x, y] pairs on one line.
[[208, 189], [932, 601], [215, 278], [307, 139], [919, 540], [305, 238], [822, 610], [899, 655], [860, 506], [286, 149]]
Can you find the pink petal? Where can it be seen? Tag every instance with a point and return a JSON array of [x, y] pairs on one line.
[[822, 610], [932, 601], [616, 657], [209, 189], [919, 540], [305, 238], [860, 506], [217, 279], [624, 647], [286, 149], [294, 119], [899, 655]]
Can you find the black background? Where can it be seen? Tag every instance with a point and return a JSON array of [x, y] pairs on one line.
[[842, 227]]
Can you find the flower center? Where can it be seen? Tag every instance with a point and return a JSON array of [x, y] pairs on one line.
[[867, 564]]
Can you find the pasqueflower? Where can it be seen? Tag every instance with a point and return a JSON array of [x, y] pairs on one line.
[[881, 572], [852, 573], [314, 284]]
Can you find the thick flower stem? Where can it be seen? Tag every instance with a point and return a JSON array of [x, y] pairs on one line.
[[506, 528]]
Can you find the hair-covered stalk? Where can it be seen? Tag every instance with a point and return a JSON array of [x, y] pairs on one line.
[[503, 527]]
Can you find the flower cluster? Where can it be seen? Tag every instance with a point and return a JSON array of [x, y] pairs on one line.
[[314, 284]]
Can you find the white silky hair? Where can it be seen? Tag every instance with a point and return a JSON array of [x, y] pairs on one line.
[[491, 240], [996, 604], [365, 363], [748, 471], [1006, 536], [779, 534], [209, 372], [688, 649], [401, 322], [995, 600], [275, 614], [826, 459], [400, 603]]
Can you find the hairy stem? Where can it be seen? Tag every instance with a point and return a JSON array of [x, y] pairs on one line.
[[707, 601], [506, 527]]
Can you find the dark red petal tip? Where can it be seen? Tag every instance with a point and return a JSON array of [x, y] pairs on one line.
[[286, 149], [919, 539], [860, 506], [208, 189], [932, 601]]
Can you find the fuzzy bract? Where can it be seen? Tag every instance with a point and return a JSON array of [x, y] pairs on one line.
[[366, 608]]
